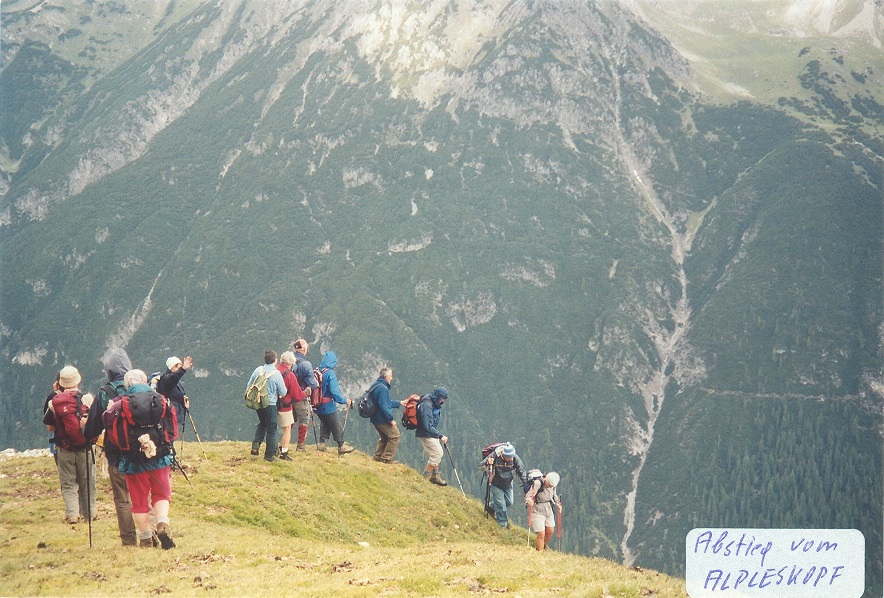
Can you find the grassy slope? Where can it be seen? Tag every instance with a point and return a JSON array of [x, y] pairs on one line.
[[246, 527]]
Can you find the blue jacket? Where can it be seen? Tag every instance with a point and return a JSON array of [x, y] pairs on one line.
[[330, 386], [429, 414], [304, 373], [381, 396]]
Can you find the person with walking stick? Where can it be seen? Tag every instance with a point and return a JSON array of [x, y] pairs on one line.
[[67, 414], [501, 464], [327, 411], [540, 498], [429, 417]]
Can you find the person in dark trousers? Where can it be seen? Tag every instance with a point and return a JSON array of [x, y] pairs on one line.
[[307, 381], [169, 385], [327, 411], [501, 465], [540, 498], [268, 417], [429, 417], [116, 364], [388, 432]]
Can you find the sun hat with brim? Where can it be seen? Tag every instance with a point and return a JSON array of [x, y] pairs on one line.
[[69, 377]]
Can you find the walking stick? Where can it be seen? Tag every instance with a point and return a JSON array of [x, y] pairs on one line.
[[89, 492], [488, 508], [183, 430], [192, 425], [455, 469], [559, 525], [313, 423], [346, 417]]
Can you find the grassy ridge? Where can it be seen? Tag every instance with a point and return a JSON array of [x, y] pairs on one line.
[[322, 525]]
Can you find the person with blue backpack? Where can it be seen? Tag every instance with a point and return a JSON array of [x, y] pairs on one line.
[[327, 410], [429, 418]]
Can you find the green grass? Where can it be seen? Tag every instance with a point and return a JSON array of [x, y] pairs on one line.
[[322, 525]]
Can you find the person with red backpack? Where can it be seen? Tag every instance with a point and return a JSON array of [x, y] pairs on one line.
[[429, 417], [67, 414], [500, 464], [116, 364], [327, 410], [306, 383]]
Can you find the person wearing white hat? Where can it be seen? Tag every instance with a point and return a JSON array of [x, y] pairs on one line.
[[169, 385], [540, 498]]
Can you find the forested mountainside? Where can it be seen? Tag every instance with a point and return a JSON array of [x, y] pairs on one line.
[[650, 259]]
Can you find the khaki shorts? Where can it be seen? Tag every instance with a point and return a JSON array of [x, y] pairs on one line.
[[286, 418], [542, 517]]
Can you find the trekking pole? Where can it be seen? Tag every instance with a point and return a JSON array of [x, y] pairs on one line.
[[454, 469], [346, 417], [313, 423], [192, 425], [89, 493], [487, 496], [183, 430], [530, 511], [559, 525]]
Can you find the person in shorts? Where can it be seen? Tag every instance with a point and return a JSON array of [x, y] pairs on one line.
[[540, 498]]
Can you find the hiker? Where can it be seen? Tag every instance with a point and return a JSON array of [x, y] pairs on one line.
[[169, 385], [147, 472], [66, 415], [501, 464], [306, 380], [268, 416], [285, 405], [388, 433], [429, 416], [540, 498], [116, 364], [327, 410]]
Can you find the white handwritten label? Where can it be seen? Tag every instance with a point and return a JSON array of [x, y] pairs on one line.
[[775, 563]]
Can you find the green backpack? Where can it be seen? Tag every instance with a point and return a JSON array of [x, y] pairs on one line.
[[256, 394]]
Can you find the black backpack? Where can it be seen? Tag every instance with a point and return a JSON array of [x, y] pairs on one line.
[[367, 407]]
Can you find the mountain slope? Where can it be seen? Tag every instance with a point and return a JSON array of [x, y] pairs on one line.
[[525, 202], [351, 527]]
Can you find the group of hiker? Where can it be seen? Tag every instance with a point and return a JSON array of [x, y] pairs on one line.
[[133, 422], [135, 418]]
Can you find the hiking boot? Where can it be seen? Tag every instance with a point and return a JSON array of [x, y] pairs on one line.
[[285, 456], [73, 520], [301, 447], [322, 447], [437, 479], [145, 543], [345, 448], [390, 461], [254, 452], [165, 536]]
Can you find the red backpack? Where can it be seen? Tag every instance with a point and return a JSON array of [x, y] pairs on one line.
[[409, 412], [131, 415], [68, 409], [317, 396]]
